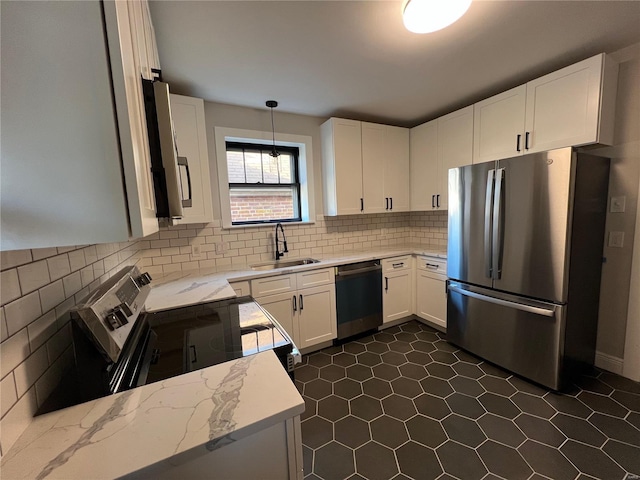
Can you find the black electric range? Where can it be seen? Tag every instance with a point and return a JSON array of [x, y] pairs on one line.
[[118, 347]]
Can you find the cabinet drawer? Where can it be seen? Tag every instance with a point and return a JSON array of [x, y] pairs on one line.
[[242, 289], [396, 263], [314, 278], [434, 265], [273, 285]]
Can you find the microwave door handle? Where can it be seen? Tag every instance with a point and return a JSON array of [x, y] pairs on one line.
[[183, 162], [488, 207], [498, 224]]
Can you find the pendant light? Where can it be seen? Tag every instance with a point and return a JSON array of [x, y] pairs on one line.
[[273, 104], [426, 16]]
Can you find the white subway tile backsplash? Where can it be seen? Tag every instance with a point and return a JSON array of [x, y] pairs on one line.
[[40, 253], [33, 276], [59, 266], [17, 420], [77, 260], [14, 351], [51, 378], [22, 312], [8, 395], [51, 295], [4, 331], [42, 329], [9, 286], [72, 284], [30, 370], [14, 258]]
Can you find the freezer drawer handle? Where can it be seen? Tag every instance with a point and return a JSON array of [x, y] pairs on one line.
[[505, 303], [397, 265], [432, 265]]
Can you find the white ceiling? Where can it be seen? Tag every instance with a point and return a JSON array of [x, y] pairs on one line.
[[354, 59]]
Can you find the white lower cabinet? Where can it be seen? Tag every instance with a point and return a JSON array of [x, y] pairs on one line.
[[397, 281], [307, 314], [431, 296]]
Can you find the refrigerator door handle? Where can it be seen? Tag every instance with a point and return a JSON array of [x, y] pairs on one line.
[[488, 207], [498, 225], [505, 303]]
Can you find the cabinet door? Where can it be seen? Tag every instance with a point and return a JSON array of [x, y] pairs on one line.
[[316, 315], [455, 147], [191, 140], [424, 166], [281, 307], [373, 161], [563, 107], [396, 297], [498, 126], [396, 169], [431, 299]]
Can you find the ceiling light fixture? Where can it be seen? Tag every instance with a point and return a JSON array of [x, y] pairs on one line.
[[426, 16], [273, 104]]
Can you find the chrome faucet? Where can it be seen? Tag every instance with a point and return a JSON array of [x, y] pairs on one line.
[[284, 242]]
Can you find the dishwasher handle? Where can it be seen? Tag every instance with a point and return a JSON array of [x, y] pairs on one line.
[[357, 271]]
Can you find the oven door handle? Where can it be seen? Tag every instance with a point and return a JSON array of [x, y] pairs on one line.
[[195, 354]]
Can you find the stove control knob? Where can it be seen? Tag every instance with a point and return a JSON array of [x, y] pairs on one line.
[[120, 315], [112, 321], [144, 279], [124, 306]]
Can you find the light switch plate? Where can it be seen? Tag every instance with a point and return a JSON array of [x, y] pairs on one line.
[[618, 204], [616, 239]]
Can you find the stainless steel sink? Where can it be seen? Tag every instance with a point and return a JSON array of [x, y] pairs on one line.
[[283, 264]]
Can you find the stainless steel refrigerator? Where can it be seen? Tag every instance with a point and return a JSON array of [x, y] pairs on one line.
[[524, 260]]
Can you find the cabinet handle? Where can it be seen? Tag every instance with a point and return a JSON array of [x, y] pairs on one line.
[[386, 284], [301, 304], [397, 265], [362, 204], [438, 200], [518, 143], [387, 203], [526, 141], [195, 355], [433, 201], [432, 265], [391, 199], [295, 304]]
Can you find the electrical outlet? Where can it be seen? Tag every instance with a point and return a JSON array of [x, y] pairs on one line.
[[618, 204], [616, 239], [196, 252], [221, 247]]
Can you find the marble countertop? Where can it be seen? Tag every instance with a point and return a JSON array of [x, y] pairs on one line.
[[172, 421], [181, 289]]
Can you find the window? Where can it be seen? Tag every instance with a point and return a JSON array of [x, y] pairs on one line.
[[282, 187], [263, 188]]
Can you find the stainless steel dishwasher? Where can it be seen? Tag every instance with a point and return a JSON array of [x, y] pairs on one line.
[[358, 297]]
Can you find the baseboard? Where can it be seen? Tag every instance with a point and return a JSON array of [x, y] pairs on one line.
[[609, 362]]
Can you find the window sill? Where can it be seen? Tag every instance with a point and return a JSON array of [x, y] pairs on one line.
[[266, 225]]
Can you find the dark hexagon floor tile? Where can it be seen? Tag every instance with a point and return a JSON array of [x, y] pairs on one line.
[[400, 347], [436, 386], [332, 373], [419, 358], [570, 405], [376, 462], [445, 346], [347, 388], [468, 370], [447, 358], [365, 407], [417, 461], [468, 357], [398, 407], [441, 371], [540, 430], [616, 428], [526, 386], [359, 372], [634, 419], [307, 460], [602, 404], [333, 408], [393, 358], [533, 405], [306, 373], [428, 336], [494, 371], [465, 406], [354, 348], [395, 329], [592, 461], [547, 461], [334, 461], [460, 461], [499, 405], [386, 372], [310, 408], [593, 385], [504, 461], [463, 430], [497, 385], [369, 359], [620, 383], [431, 406], [366, 339], [377, 347], [406, 337], [468, 386], [627, 456], [355, 477], [343, 359], [317, 389], [316, 432], [628, 400], [501, 430], [411, 370], [352, 431], [426, 431], [384, 337], [376, 388], [389, 431], [411, 327], [423, 346], [332, 350], [578, 429], [312, 477], [406, 387], [319, 359]]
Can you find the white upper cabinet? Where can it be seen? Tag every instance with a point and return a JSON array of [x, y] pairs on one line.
[[64, 150], [365, 167], [570, 107], [424, 166], [191, 139]]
